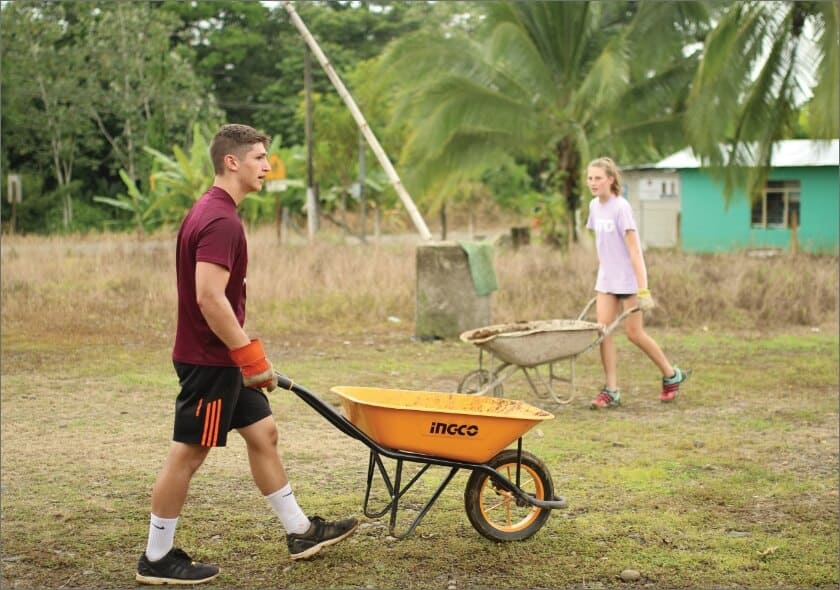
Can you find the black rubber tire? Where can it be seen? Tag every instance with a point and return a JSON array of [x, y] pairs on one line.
[[495, 513], [476, 380]]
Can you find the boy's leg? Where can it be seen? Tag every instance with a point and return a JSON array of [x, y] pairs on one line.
[[270, 475], [304, 536], [173, 481], [203, 411], [169, 494], [266, 467], [161, 562]]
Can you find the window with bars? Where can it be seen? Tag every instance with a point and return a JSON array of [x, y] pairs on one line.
[[777, 206]]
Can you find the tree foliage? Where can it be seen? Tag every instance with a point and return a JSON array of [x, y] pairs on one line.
[[94, 83], [554, 83], [509, 99], [763, 62]]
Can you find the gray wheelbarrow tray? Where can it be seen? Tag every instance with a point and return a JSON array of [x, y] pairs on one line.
[[530, 344]]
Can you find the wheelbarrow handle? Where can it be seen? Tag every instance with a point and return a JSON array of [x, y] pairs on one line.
[[587, 308], [283, 382], [609, 329]]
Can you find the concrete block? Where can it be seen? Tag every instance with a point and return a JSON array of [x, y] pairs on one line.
[[447, 303]]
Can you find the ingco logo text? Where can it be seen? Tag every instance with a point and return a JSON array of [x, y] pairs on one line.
[[453, 429]]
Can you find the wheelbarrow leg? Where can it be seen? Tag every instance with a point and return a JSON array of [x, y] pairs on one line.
[[399, 493], [534, 387], [552, 378], [376, 462], [394, 491]]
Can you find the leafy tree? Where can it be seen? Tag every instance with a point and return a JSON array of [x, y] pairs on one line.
[[760, 65], [85, 87], [175, 183], [348, 33], [43, 114], [555, 83], [233, 47], [139, 87]]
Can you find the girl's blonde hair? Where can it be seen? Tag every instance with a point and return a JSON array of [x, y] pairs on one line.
[[612, 171]]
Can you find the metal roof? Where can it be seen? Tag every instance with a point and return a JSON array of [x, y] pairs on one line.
[[787, 153]]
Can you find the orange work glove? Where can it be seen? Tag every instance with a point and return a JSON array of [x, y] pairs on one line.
[[256, 370]]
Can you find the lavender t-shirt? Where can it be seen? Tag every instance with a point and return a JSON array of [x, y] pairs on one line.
[[610, 221]]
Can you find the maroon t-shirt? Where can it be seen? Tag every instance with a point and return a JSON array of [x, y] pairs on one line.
[[211, 232]]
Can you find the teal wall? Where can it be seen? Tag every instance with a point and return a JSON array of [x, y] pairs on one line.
[[706, 225]]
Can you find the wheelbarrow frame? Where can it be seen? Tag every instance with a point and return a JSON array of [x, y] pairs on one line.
[[491, 380], [394, 485]]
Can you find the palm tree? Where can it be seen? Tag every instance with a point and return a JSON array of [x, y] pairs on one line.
[[554, 83], [763, 62]]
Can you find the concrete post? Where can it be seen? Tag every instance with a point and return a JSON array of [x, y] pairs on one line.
[[447, 303]]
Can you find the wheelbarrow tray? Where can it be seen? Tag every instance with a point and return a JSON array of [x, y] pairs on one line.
[[529, 344], [446, 425]]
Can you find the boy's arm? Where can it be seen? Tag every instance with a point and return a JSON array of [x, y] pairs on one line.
[[210, 283]]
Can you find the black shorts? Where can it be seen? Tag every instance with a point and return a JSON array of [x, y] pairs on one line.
[[212, 402]]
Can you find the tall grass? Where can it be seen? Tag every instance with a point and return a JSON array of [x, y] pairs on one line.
[[85, 284]]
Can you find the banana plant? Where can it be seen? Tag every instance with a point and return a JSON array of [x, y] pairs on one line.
[[178, 181], [135, 202]]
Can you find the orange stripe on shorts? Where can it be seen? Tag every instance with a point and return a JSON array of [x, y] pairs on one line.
[[216, 419], [210, 435]]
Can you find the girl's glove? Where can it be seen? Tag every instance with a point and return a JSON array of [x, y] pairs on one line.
[[646, 302], [256, 370]]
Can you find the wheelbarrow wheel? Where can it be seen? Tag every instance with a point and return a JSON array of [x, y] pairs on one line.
[[495, 512], [475, 381]]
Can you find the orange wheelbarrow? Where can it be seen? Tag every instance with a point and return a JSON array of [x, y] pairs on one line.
[[509, 494]]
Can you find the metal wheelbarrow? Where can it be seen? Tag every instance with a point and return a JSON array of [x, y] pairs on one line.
[[509, 494], [529, 345]]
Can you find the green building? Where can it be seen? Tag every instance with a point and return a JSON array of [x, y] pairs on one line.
[[677, 202]]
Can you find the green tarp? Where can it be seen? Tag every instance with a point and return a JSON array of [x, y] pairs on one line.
[[480, 258]]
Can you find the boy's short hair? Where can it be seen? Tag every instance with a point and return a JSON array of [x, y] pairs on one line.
[[234, 139]]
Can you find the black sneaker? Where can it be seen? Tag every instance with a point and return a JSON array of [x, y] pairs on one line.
[[176, 567], [320, 534]]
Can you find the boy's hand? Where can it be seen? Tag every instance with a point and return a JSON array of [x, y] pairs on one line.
[[256, 370]]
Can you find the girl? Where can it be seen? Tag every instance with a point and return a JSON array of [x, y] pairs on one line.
[[622, 281]]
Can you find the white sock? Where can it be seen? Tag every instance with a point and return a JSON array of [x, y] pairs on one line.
[[161, 536], [286, 508]]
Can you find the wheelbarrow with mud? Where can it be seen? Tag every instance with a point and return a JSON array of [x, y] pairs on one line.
[[530, 345]]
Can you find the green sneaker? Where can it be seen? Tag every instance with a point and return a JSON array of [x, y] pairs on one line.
[[606, 399]]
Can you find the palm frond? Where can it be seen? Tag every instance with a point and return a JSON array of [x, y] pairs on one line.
[[824, 116]]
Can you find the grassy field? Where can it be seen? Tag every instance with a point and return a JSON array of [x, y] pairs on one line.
[[733, 486]]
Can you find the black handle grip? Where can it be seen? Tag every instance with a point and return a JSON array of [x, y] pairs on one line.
[[283, 381]]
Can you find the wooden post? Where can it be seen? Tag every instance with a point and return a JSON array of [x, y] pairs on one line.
[[794, 231], [362, 198]]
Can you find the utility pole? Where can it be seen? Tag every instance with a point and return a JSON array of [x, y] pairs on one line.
[[311, 190], [360, 121]]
